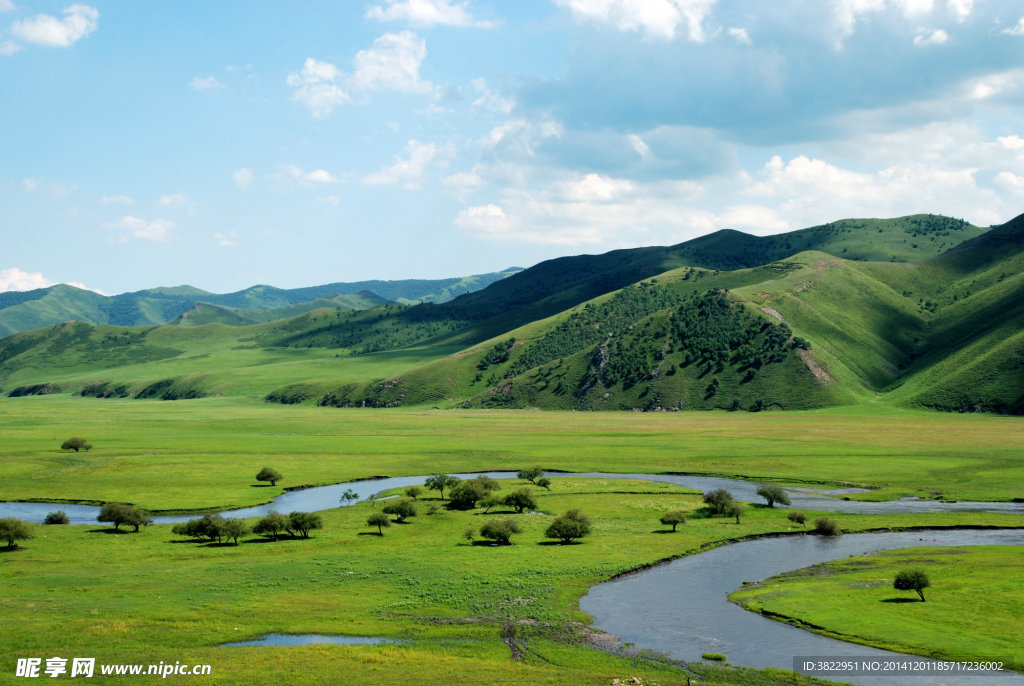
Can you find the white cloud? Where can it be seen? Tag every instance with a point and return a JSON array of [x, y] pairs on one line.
[[1011, 181], [30, 183], [117, 200], [961, 9], [15, 279], [173, 200], [934, 37], [641, 148], [133, 227], [426, 13], [319, 176], [490, 99], [208, 84], [8, 48], [654, 18], [740, 35], [227, 240], [463, 183], [408, 171], [1013, 142], [307, 178], [393, 63], [1002, 84], [317, 87], [243, 177], [44, 29], [6, 6], [1017, 30], [486, 221]]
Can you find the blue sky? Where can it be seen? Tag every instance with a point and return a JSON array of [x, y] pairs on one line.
[[232, 143]]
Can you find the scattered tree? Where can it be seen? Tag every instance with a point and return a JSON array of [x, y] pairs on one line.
[[568, 527], [735, 509], [774, 494], [349, 497], [303, 523], [827, 527], [402, 509], [520, 499], [414, 492], [234, 529], [269, 474], [271, 525], [531, 474], [717, 500], [488, 501], [912, 580], [797, 518], [673, 518], [76, 443], [544, 482], [58, 517], [379, 520], [500, 530], [123, 513], [439, 482], [12, 530], [465, 494]]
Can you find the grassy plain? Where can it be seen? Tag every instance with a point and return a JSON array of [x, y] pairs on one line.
[[972, 611]]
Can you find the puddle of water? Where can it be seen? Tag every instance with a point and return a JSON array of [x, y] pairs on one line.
[[310, 639]]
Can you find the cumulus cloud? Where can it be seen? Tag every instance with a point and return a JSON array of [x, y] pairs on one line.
[[740, 35], [930, 37], [158, 230], [44, 29], [961, 9], [427, 13], [205, 84], [14, 279], [408, 170], [491, 100], [658, 19], [316, 176], [1017, 30], [317, 87], [243, 177]]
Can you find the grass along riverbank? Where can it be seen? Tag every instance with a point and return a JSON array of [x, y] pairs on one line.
[[972, 610]]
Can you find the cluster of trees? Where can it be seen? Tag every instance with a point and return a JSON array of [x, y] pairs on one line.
[[295, 524], [124, 513], [496, 355], [720, 501], [213, 528]]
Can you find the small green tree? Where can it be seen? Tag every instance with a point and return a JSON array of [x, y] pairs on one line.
[[271, 525], [414, 492], [717, 500], [797, 518], [379, 520], [209, 527], [76, 443], [439, 482], [58, 517], [531, 474], [520, 499], [304, 522], [774, 494], [402, 509], [673, 518], [234, 529], [500, 530], [544, 482], [349, 497], [465, 494], [735, 509], [488, 501], [827, 527], [123, 513], [269, 474], [912, 580], [569, 526], [12, 530]]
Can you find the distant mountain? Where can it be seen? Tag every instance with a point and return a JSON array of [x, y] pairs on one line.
[[27, 310]]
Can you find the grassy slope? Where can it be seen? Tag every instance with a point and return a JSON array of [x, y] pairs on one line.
[[972, 612]]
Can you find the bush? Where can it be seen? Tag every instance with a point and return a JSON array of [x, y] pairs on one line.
[[58, 517], [774, 494], [568, 527], [717, 500], [269, 474], [673, 518], [271, 525], [797, 518], [520, 499], [379, 520], [12, 530], [912, 580], [303, 523], [501, 530], [414, 492], [827, 527], [76, 443], [123, 513], [402, 509]]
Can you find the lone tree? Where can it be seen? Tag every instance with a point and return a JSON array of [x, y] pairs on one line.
[[797, 518], [12, 530], [501, 530], [673, 518], [349, 497], [520, 499], [735, 509], [123, 513], [414, 492], [269, 474], [76, 443], [304, 522], [774, 494], [543, 482], [717, 500], [569, 527], [912, 580], [402, 509], [531, 474], [58, 517], [379, 520], [439, 482], [271, 525]]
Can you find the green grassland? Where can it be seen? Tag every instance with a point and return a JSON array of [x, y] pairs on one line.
[[152, 596], [972, 609]]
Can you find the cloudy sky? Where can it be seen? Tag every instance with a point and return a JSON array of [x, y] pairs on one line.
[[224, 144]]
